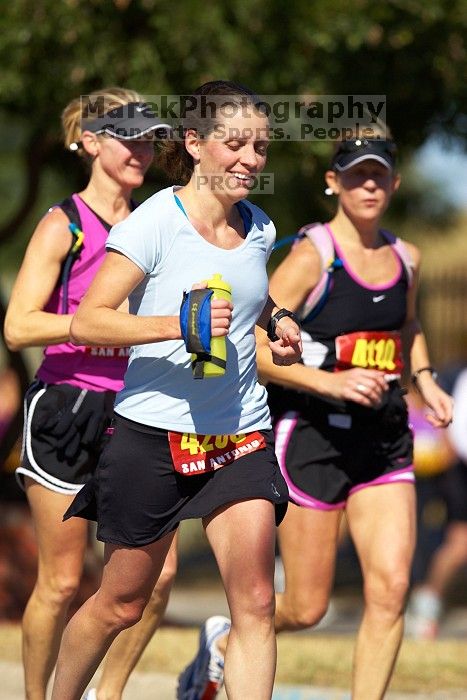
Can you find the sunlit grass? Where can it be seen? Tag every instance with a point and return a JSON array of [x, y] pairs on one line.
[[321, 660]]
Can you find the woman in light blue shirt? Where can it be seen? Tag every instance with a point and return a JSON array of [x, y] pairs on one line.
[[182, 447]]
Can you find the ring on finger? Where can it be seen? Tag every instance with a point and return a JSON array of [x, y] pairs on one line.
[[362, 388]]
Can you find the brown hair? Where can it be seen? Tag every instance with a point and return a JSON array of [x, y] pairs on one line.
[[173, 157], [82, 107]]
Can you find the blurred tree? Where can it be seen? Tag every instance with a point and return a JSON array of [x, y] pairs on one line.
[[411, 50]]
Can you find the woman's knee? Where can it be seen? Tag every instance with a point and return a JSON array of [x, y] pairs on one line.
[[161, 592], [300, 613], [455, 549], [167, 576], [257, 602], [388, 592], [58, 590], [261, 600], [121, 615]]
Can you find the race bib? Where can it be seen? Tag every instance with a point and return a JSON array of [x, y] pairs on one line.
[[108, 353], [194, 454], [370, 349]]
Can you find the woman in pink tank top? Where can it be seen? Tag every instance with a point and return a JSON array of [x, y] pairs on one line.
[[69, 405]]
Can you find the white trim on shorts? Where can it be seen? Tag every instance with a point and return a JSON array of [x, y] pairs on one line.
[[40, 475]]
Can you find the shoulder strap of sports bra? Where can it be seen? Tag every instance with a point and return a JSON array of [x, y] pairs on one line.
[[321, 238], [403, 252], [319, 235], [68, 206]]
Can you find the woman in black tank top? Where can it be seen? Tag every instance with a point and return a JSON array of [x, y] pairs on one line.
[[342, 437]]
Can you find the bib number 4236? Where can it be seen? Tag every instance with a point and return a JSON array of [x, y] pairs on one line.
[[198, 454]]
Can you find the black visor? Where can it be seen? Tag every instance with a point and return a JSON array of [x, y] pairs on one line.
[[128, 122], [352, 152]]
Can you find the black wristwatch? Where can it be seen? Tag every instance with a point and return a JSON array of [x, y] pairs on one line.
[[416, 374], [271, 329]]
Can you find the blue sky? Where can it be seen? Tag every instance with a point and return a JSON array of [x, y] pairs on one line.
[[446, 165]]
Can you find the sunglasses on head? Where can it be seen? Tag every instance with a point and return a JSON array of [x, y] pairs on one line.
[[381, 145]]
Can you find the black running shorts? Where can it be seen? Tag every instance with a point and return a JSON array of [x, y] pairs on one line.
[[327, 452], [137, 497], [63, 435]]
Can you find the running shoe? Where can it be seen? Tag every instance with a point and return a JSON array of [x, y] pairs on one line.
[[204, 676], [423, 615], [90, 695]]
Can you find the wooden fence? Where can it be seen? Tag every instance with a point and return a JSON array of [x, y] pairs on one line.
[[443, 313]]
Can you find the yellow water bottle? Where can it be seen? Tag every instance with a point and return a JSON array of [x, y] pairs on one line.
[[216, 366]]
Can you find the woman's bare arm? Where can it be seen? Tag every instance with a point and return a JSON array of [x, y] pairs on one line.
[[99, 320], [27, 324]]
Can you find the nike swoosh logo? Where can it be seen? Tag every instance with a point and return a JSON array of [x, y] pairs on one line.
[[380, 298]]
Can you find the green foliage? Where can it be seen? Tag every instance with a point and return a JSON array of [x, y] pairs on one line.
[[413, 51]]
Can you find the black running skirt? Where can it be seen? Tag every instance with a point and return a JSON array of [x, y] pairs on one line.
[[137, 497]]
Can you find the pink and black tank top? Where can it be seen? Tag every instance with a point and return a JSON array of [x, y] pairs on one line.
[[353, 306], [97, 368]]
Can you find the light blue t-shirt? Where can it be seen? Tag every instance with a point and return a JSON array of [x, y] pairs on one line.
[[159, 387]]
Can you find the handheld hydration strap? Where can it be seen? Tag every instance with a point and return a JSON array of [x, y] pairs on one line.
[[69, 208], [319, 235], [321, 239]]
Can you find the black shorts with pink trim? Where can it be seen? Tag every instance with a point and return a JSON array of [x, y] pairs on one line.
[[328, 451]]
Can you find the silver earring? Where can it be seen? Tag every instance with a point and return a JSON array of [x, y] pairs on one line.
[[328, 191]]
